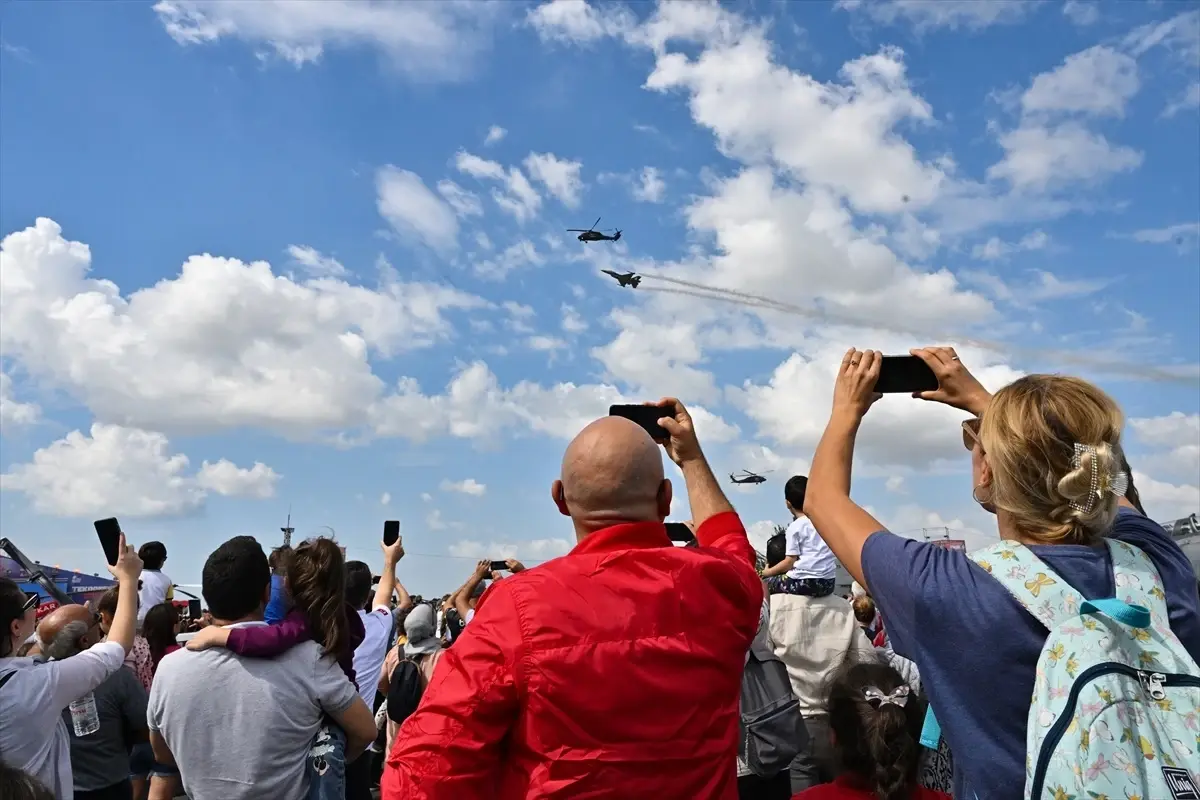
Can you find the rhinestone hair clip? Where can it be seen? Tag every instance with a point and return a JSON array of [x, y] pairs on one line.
[[1115, 483], [899, 697]]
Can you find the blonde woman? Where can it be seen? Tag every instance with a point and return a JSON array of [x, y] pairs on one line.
[[976, 647]]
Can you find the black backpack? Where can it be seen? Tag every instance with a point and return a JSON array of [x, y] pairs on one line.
[[404, 691], [772, 729]]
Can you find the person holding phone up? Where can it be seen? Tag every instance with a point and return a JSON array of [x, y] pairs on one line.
[[614, 671], [33, 694]]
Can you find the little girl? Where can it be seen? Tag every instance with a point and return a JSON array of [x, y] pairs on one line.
[[316, 585], [875, 721]]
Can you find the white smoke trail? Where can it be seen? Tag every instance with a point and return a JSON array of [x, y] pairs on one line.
[[1183, 374]]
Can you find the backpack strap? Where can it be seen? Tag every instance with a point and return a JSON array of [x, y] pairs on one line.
[[1136, 580], [1037, 587]]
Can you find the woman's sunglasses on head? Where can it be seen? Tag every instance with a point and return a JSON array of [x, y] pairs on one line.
[[32, 600]]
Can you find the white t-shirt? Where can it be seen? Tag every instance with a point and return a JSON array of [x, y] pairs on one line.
[[369, 656], [33, 736], [814, 559], [155, 587]]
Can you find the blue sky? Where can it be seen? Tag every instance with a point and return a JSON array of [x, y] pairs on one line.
[[328, 267]]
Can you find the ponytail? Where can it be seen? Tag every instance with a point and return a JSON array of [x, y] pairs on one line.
[[876, 719]]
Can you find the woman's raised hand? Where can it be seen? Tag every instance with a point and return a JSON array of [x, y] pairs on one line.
[[957, 387]]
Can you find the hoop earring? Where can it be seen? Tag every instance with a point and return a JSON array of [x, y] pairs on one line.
[[975, 495]]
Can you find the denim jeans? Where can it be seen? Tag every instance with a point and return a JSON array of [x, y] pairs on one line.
[[327, 764]]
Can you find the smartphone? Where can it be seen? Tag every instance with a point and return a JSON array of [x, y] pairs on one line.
[[646, 416], [678, 532], [391, 532], [194, 609], [109, 531], [905, 374], [499, 566]]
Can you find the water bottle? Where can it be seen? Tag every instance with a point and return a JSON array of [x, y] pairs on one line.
[[84, 716]]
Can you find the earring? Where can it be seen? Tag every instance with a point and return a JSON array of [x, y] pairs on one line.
[[975, 495]]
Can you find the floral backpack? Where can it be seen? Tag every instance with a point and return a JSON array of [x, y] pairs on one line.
[[1116, 698]]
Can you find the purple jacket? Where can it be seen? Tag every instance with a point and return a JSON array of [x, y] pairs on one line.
[[268, 641]]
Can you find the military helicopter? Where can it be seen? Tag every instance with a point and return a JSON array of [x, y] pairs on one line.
[[593, 235], [628, 279], [749, 477]]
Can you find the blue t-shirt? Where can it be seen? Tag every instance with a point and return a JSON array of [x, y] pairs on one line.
[[278, 606], [977, 647]]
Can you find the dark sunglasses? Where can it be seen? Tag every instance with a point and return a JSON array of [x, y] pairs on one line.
[[970, 433], [32, 600]]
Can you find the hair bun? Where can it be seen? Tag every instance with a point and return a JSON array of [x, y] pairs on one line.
[[1090, 490]]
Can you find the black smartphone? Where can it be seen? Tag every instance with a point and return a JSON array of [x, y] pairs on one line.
[[646, 416], [194, 609], [678, 532], [391, 532], [109, 531], [905, 374], [499, 566]]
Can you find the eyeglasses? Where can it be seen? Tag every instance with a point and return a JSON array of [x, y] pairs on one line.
[[970, 433], [32, 600]]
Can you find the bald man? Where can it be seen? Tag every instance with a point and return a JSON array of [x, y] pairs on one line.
[[612, 672], [68, 630]]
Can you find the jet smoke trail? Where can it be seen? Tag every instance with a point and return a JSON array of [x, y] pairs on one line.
[[1185, 374]]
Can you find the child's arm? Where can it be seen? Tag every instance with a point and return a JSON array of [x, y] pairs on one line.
[[256, 641]]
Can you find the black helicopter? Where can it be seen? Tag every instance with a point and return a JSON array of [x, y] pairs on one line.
[[593, 235], [628, 279], [749, 477]]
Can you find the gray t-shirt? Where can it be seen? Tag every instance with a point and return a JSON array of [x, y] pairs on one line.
[[241, 727], [101, 759]]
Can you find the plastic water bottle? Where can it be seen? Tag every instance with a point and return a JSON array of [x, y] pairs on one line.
[[84, 716]]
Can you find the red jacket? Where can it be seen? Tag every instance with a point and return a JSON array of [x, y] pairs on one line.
[[612, 672]]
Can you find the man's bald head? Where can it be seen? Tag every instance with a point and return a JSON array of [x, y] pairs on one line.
[[65, 631], [612, 472]]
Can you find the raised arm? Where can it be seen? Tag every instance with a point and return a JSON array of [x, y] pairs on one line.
[[387, 580], [704, 493], [463, 596], [127, 570]]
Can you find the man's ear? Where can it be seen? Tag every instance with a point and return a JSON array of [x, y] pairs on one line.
[[559, 495], [665, 495]]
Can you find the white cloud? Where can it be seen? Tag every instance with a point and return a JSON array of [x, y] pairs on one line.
[[1181, 234], [529, 552], [315, 263], [650, 187], [1042, 287], [561, 177], [994, 249], [425, 41], [1166, 501], [464, 203], [1177, 438], [470, 486], [434, 521], [518, 197], [406, 203], [577, 22], [657, 358], [520, 253], [1188, 101], [1040, 157], [1081, 12], [927, 15], [545, 344], [895, 484], [224, 344], [571, 321], [1098, 81], [127, 472], [759, 533], [13, 412], [494, 134], [385, 499], [226, 478], [427, 497]]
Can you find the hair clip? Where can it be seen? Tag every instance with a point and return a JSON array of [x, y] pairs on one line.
[[898, 697], [1116, 483]]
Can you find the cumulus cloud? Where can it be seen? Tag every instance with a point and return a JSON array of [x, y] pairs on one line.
[[438, 41], [128, 471], [516, 195], [530, 551], [469, 486], [315, 263], [12, 411], [650, 187], [560, 176], [926, 15], [494, 134]]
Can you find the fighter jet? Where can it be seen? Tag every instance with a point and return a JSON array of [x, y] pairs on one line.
[[628, 279]]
